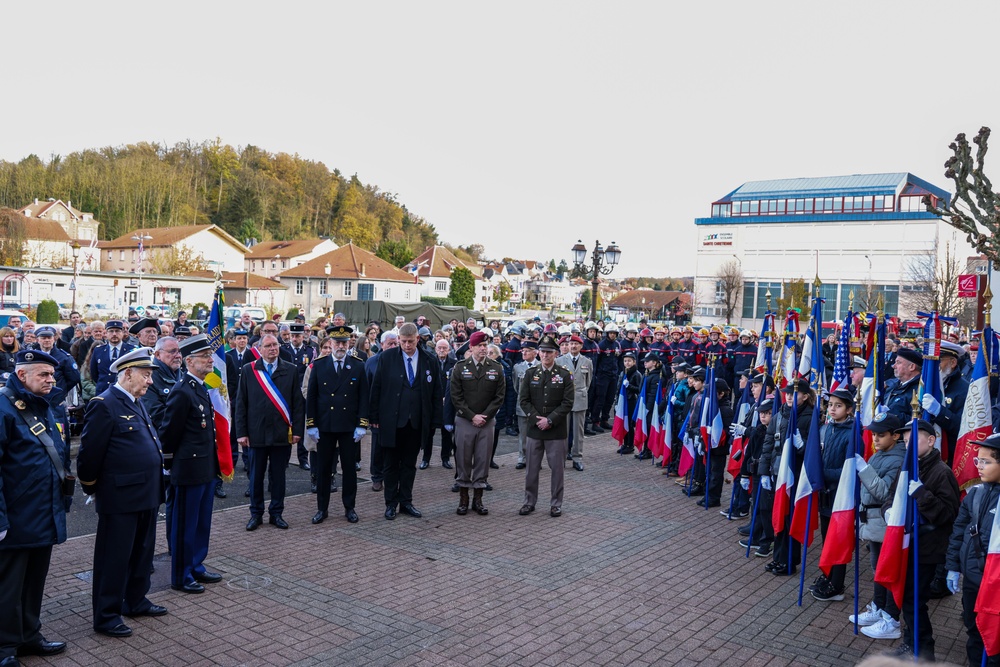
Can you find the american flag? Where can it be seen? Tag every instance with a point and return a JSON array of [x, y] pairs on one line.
[[840, 373]]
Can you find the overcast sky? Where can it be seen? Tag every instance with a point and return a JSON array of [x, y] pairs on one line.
[[520, 125]]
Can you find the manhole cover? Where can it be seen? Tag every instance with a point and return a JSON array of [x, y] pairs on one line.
[[248, 583]]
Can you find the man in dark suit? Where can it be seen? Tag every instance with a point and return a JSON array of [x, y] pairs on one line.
[[187, 438], [269, 416], [445, 362], [337, 417], [103, 355], [120, 465], [406, 403]]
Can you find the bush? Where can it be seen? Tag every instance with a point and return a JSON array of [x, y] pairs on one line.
[[437, 300], [48, 312]]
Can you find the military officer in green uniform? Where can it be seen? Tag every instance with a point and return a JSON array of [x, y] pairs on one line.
[[546, 397]]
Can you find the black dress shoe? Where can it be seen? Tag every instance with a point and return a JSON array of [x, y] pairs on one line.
[[390, 512], [447, 464], [782, 570], [555, 511], [494, 465], [318, 517], [589, 432], [526, 510], [207, 577], [376, 486], [278, 522], [770, 566], [605, 425], [408, 508], [521, 465], [42, 647], [578, 465], [598, 429], [120, 630], [424, 465], [193, 587], [488, 487], [254, 523], [151, 610], [220, 492], [351, 515], [455, 487]]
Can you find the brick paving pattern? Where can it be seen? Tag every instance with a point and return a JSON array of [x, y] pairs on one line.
[[633, 573]]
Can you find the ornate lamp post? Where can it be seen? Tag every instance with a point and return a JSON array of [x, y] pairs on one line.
[[139, 237], [602, 262], [326, 291]]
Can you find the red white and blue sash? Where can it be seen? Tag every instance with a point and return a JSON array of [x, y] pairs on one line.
[[271, 391]]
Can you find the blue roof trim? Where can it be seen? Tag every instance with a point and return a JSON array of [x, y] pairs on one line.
[[857, 185], [828, 217], [943, 194]]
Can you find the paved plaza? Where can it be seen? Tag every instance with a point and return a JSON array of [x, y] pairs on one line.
[[633, 573]]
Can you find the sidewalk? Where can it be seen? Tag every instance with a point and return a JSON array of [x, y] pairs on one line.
[[633, 573]]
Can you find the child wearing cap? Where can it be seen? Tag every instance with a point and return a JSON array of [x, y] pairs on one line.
[[763, 532], [697, 384], [719, 455], [632, 379], [970, 542], [880, 619], [652, 364]]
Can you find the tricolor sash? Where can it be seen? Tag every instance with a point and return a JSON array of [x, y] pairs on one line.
[[271, 391]]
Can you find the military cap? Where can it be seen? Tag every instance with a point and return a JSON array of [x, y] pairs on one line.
[[627, 355], [764, 379], [45, 330], [911, 355], [767, 405], [846, 394], [478, 338], [194, 345], [801, 385], [698, 373], [144, 323], [34, 357], [141, 357], [297, 328], [721, 386], [858, 362], [947, 347], [237, 332], [114, 324], [186, 331], [575, 339], [534, 346], [548, 343], [339, 332], [653, 356]]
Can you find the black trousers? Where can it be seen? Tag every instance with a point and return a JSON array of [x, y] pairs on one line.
[[447, 446], [837, 572], [785, 544], [925, 634], [123, 554], [377, 466], [326, 454], [716, 475], [606, 386], [22, 583], [763, 529], [974, 643], [401, 466], [273, 460]]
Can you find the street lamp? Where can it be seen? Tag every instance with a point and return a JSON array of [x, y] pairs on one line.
[[326, 291], [139, 237], [76, 256], [603, 262]]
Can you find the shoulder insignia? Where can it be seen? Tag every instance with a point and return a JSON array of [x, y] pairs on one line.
[[97, 398]]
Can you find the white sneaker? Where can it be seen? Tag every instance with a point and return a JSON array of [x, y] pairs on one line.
[[884, 629], [870, 616]]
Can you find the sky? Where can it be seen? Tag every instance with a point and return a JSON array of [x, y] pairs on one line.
[[523, 126]]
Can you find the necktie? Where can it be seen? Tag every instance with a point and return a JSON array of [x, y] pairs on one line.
[[270, 368], [409, 370], [576, 362], [114, 354], [336, 366]]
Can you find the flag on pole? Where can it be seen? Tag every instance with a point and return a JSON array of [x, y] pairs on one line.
[[988, 601], [668, 432], [930, 372], [738, 444], [893, 560], [762, 363], [838, 545], [785, 484], [712, 432], [812, 366], [786, 359], [655, 441], [805, 514], [976, 425], [619, 428], [641, 427], [216, 383], [841, 372], [687, 450]]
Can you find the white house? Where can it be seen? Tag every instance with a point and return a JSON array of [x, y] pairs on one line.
[[433, 268], [164, 248], [269, 258]]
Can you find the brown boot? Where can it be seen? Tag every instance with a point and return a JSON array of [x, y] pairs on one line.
[[463, 501], [477, 502]]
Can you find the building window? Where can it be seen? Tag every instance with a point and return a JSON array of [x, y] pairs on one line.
[[440, 286], [322, 287], [121, 255], [111, 255], [755, 300], [386, 293], [274, 263], [720, 292], [828, 291], [299, 287], [348, 287], [284, 263], [10, 288], [407, 295]]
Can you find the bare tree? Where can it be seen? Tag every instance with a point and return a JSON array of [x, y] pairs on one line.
[[728, 283], [931, 280]]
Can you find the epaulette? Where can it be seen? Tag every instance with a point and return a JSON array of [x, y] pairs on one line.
[[97, 398], [363, 423]]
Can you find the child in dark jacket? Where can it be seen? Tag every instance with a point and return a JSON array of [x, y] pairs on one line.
[[632, 379], [835, 438]]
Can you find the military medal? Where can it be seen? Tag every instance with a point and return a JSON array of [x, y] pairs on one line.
[[203, 423]]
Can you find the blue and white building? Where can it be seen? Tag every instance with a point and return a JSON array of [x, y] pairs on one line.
[[866, 233]]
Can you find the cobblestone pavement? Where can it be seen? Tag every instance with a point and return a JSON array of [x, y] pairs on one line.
[[633, 573]]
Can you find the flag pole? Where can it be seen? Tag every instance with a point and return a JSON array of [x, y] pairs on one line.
[[915, 407], [708, 445], [817, 382], [753, 516], [857, 509]]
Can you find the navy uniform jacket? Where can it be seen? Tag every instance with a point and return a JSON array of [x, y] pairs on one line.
[[67, 372], [302, 358], [512, 351], [956, 388], [100, 362], [608, 357], [387, 385], [119, 460], [256, 416], [32, 510], [187, 434], [155, 398], [337, 402], [234, 369], [898, 396]]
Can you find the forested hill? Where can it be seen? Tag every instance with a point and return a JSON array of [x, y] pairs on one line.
[[248, 191]]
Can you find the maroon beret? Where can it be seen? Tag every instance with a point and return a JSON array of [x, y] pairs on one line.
[[478, 338]]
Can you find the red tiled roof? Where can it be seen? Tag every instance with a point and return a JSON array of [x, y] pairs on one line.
[[346, 263], [41, 229], [294, 248], [438, 262], [653, 299], [167, 236]]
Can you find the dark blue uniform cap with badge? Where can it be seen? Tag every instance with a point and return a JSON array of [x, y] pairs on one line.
[[922, 425], [801, 385], [764, 379], [533, 345], [952, 349], [141, 357], [767, 405], [653, 356], [34, 357], [45, 331], [182, 331], [144, 323], [697, 372], [297, 328], [237, 332], [194, 345], [339, 332], [992, 441], [846, 394], [627, 355], [884, 422], [114, 324]]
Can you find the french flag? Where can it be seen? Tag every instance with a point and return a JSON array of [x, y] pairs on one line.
[[667, 432], [619, 429], [838, 545], [688, 452], [641, 427], [785, 484], [976, 425], [655, 441], [712, 432], [869, 403], [988, 601], [761, 363], [805, 515], [812, 365], [894, 558], [786, 362], [736, 449]]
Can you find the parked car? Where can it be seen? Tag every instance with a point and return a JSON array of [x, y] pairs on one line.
[[233, 314], [99, 311], [8, 313]]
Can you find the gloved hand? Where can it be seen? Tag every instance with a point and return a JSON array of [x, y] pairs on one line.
[[931, 404], [3, 534], [745, 483], [313, 433], [952, 580], [359, 433], [914, 485], [737, 430], [449, 427], [799, 443], [701, 449], [860, 463], [676, 401], [765, 482]]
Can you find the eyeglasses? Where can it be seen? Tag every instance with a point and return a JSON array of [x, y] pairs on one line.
[[982, 463]]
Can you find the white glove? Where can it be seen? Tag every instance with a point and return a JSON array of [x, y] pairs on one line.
[[3, 534], [914, 485], [701, 449], [313, 433], [738, 430], [676, 401], [745, 483], [952, 580], [450, 428], [799, 443], [359, 433], [765, 482], [860, 463], [931, 404]]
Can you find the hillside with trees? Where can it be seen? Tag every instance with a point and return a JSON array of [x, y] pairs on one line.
[[248, 191]]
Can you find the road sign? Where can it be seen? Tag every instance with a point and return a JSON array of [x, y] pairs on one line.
[[72, 285], [139, 310], [968, 284]]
